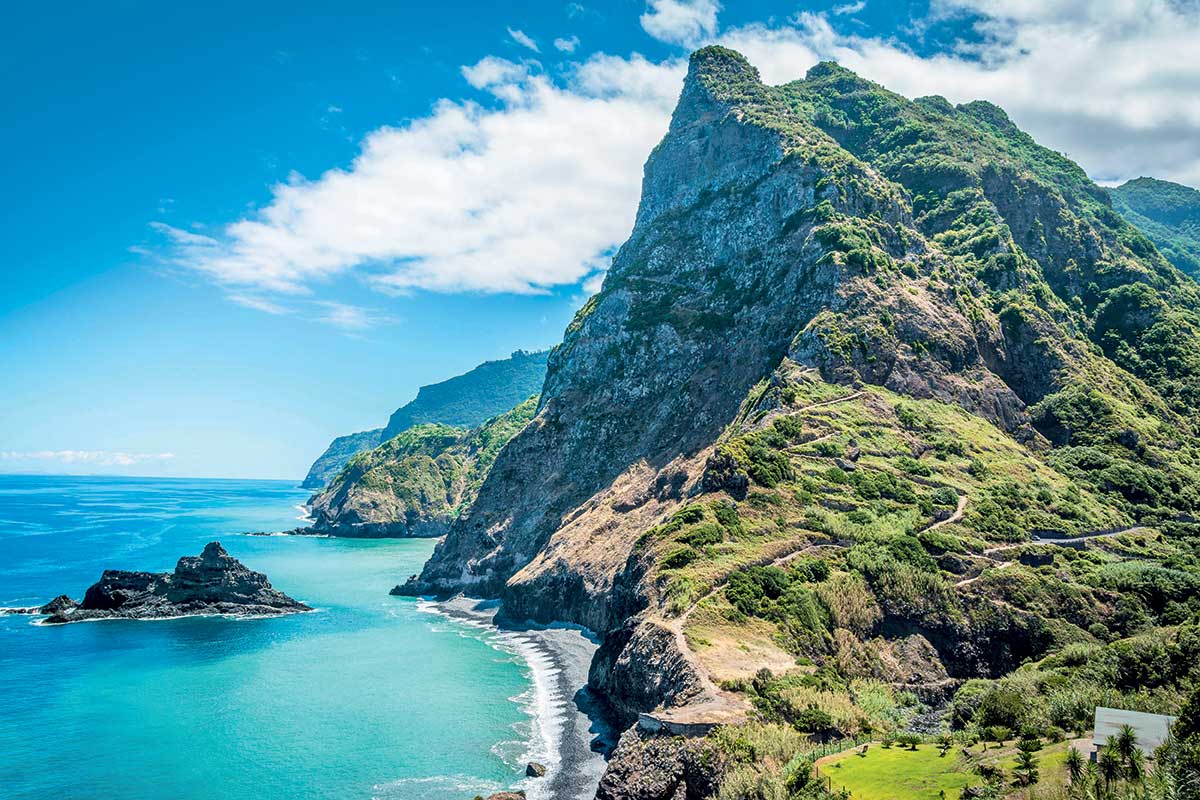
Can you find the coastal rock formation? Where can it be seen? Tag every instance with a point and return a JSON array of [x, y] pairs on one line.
[[417, 482], [464, 401], [211, 583], [656, 767]]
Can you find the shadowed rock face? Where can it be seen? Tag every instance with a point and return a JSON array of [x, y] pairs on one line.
[[213, 582]]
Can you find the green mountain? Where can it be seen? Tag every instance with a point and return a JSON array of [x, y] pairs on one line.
[[465, 400], [1168, 213], [468, 399], [882, 407], [417, 482]]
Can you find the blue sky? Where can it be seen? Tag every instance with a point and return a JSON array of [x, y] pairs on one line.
[[231, 234]]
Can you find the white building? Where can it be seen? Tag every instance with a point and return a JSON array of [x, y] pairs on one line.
[[1152, 729]]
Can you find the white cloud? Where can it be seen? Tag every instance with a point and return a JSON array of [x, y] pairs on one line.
[[524, 39], [850, 8], [566, 45], [349, 317], [683, 22], [102, 458], [531, 194], [257, 303]]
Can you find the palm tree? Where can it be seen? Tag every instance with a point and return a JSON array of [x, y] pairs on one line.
[[1126, 740], [1111, 766], [1075, 764], [1090, 785]]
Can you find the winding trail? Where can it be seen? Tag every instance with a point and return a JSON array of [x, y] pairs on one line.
[[955, 517]]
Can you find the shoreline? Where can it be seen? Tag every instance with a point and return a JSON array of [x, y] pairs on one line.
[[566, 718]]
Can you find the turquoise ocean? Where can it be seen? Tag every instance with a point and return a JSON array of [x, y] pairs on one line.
[[370, 696]]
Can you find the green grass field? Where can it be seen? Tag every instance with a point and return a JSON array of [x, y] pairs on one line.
[[898, 774], [901, 774]]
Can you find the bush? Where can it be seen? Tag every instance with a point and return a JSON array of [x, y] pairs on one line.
[[945, 496], [702, 535], [727, 514], [679, 557], [1001, 707], [913, 467]]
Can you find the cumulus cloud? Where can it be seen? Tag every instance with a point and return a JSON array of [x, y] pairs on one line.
[[528, 195], [538, 186], [682, 22], [524, 39], [566, 45], [101, 458]]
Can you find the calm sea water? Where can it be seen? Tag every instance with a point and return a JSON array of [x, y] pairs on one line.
[[368, 697]]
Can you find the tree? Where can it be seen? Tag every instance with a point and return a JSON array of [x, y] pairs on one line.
[[1126, 741], [1075, 765], [1027, 761], [1110, 765], [1135, 767]]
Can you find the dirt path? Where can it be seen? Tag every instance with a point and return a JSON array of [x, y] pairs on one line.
[[1064, 541], [955, 517]]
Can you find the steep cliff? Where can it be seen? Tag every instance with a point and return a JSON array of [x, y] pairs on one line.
[[856, 350], [340, 450], [469, 399], [417, 482], [463, 401]]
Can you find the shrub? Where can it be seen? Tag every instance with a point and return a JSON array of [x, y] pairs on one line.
[[1001, 707], [945, 496], [727, 515], [679, 557], [913, 467], [702, 535]]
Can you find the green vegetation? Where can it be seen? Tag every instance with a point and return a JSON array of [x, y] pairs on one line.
[[426, 474], [879, 545], [1168, 213]]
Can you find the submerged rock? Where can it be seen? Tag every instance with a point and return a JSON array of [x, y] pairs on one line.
[[213, 582]]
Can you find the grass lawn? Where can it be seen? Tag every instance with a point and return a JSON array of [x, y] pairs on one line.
[[898, 773]]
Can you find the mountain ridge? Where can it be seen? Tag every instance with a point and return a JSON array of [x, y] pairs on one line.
[[465, 401]]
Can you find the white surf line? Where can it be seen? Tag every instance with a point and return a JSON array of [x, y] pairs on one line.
[[545, 707]]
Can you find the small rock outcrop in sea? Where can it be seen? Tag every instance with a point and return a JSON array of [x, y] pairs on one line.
[[213, 582], [534, 770]]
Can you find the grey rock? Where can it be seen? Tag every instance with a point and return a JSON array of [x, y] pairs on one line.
[[212, 583]]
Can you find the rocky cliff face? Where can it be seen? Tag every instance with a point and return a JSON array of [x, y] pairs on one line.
[[213, 582], [464, 401], [417, 482], [890, 248]]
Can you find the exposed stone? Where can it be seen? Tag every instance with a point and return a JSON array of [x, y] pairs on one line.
[[534, 770], [212, 583]]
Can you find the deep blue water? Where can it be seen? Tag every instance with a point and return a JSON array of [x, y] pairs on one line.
[[370, 696]]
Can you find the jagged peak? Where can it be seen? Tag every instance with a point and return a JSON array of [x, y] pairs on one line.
[[720, 70]]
